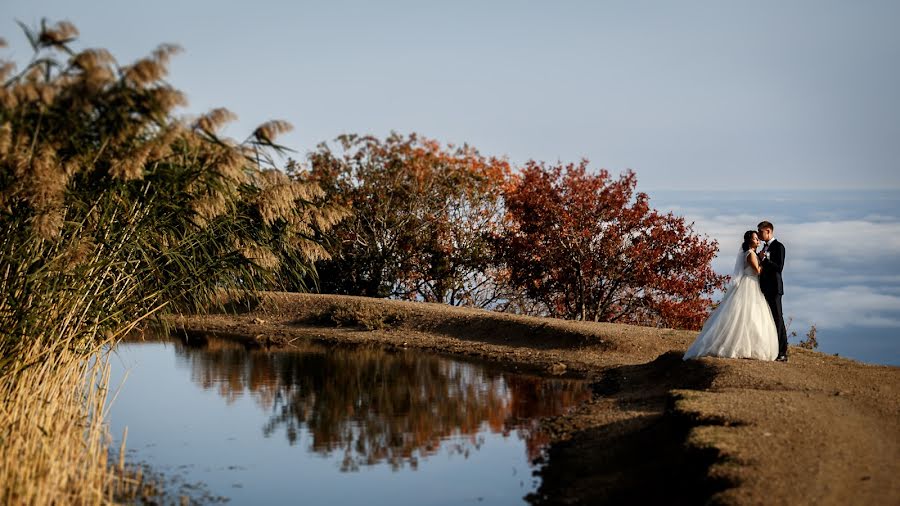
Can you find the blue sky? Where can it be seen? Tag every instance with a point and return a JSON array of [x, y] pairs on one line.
[[691, 95]]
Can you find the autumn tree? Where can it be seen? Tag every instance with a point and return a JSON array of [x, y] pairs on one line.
[[586, 246], [423, 215]]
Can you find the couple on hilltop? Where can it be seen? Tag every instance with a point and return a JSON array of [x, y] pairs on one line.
[[748, 322]]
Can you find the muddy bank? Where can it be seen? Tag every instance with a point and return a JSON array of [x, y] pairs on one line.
[[818, 429]]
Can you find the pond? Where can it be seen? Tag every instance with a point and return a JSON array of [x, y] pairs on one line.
[[332, 425]]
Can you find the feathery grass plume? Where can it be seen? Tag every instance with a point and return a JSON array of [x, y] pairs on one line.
[[260, 256], [329, 215], [144, 72], [96, 79], [19, 159], [164, 52], [229, 162], [152, 69], [113, 211], [8, 99], [268, 131], [162, 146], [168, 98], [75, 254], [5, 138], [34, 74], [27, 92], [48, 223], [47, 182], [309, 249], [6, 69], [60, 34], [212, 121], [47, 93], [92, 58], [131, 165], [209, 207], [275, 200]]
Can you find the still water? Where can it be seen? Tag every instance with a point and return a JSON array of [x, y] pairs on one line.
[[321, 425]]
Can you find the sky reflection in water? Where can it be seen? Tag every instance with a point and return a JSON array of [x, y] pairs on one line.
[[336, 426]]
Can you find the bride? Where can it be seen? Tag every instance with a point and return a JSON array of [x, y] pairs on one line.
[[742, 325]]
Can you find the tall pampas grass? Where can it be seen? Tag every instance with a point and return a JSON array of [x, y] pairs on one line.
[[113, 211]]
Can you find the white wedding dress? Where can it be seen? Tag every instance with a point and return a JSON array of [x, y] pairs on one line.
[[742, 325]]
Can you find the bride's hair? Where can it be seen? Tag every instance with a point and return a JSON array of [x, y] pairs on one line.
[[748, 237]]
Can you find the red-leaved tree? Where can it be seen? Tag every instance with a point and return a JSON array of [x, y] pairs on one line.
[[585, 246]]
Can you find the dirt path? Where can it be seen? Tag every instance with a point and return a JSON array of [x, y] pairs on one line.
[[819, 429]]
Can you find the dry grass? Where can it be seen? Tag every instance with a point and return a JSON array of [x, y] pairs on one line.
[[355, 314], [55, 442], [112, 210]]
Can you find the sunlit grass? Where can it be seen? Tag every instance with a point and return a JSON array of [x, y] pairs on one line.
[[112, 212]]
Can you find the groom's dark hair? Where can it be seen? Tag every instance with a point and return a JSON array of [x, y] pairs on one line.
[[766, 224]]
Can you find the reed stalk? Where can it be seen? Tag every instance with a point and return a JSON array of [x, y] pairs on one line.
[[113, 211]]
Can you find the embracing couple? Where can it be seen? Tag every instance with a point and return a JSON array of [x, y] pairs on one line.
[[748, 322]]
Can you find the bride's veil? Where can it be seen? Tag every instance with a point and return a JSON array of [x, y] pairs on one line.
[[738, 272]]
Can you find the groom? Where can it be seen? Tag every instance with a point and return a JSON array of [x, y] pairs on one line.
[[772, 256]]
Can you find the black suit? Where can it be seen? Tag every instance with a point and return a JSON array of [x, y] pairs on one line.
[[773, 288]]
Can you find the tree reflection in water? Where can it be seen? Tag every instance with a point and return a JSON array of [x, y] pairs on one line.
[[376, 406]]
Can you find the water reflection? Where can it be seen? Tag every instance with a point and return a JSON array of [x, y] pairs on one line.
[[374, 407]]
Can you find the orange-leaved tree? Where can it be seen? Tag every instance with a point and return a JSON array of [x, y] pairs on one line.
[[423, 216], [585, 246]]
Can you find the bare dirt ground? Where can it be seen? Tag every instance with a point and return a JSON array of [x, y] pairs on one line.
[[816, 430]]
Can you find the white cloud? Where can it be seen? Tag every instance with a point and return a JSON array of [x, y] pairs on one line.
[[838, 273], [841, 307], [816, 251], [878, 218], [848, 241]]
